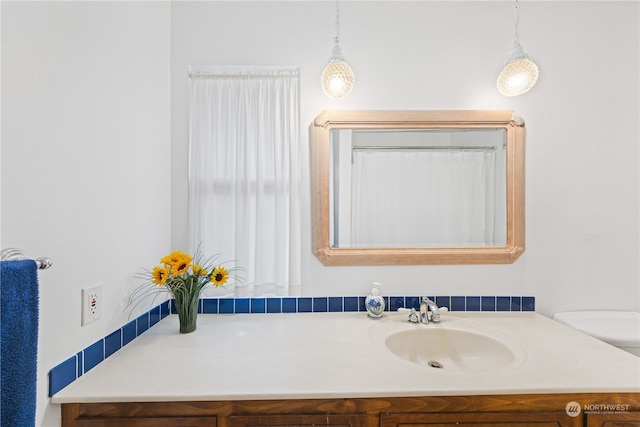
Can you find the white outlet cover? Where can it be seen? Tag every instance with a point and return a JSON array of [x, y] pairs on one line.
[[91, 304]]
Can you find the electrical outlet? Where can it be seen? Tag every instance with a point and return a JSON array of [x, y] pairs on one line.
[[91, 304]]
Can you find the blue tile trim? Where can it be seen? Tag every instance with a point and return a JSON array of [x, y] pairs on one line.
[[226, 305], [516, 303], [164, 309], [62, 375], [68, 371], [289, 305], [93, 355], [473, 304], [274, 305], [488, 303], [442, 301], [305, 305], [241, 305], [80, 363], [142, 324], [336, 305], [350, 304], [154, 316], [112, 343], [320, 304], [528, 304], [458, 304], [395, 303], [412, 302], [258, 305], [210, 306], [74, 367], [503, 303], [129, 332]]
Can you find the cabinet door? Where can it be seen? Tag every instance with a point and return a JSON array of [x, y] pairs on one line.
[[630, 419], [149, 422], [481, 419], [269, 420]]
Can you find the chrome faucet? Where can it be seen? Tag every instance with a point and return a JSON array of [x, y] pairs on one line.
[[425, 306]]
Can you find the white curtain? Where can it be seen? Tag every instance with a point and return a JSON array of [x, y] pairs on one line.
[[456, 206], [244, 199]]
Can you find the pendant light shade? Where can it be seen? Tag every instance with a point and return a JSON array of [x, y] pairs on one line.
[[337, 78], [520, 73]]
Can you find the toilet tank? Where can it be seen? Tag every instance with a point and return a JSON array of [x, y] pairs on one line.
[[618, 328]]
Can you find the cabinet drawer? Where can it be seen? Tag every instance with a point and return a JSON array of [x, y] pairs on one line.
[[149, 422], [480, 419], [630, 419], [270, 420]]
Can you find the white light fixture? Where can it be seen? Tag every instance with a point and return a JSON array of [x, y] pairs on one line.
[[337, 77], [519, 73]]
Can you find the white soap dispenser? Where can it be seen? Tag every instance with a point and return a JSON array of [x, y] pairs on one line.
[[374, 303]]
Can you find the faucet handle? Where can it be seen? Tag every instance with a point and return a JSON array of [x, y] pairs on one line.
[[413, 314]]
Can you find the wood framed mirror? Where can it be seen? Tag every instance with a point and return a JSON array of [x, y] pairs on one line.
[[417, 187]]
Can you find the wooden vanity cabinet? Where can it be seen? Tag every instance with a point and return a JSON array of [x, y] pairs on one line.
[[517, 419], [156, 414], [631, 419], [531, 410], [149, 422], [269, 420]]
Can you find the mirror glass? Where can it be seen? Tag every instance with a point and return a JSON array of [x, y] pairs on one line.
[[417, 187]]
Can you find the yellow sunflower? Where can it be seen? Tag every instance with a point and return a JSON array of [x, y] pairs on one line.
[[177, 262], [159, 275], [198, 270], [219, 276]]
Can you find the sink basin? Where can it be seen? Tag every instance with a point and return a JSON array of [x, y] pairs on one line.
[[454, 345], [450, 349]]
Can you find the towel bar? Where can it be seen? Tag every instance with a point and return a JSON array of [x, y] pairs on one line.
[[9, 254]]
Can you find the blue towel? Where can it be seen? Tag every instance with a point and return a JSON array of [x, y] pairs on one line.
[[18, 342]]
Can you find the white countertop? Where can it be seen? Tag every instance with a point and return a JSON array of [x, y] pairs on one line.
[[330, 355]]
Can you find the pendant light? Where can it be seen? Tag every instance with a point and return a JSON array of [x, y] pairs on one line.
[[519, 73], [337, 77]]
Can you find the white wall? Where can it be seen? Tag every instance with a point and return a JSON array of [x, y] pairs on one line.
[[582, 182], [86, 153], [85, 158]]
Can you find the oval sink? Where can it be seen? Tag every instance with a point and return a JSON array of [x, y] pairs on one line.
[[454, 345], [450, 349]]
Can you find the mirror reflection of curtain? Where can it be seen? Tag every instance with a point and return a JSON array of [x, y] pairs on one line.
[[244, 175], [455, 205]]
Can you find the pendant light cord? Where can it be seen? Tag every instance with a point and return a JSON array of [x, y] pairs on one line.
[[516, 40], [337, 39], [337, 77]]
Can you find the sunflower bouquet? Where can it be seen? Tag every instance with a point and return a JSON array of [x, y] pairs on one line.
[[185, 279]]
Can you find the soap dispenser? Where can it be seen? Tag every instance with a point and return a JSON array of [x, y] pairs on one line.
[[374, 303]]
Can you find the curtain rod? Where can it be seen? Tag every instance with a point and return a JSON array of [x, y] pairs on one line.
[[241, 72]]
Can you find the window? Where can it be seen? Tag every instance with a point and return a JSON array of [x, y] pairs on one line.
[[244, 199]]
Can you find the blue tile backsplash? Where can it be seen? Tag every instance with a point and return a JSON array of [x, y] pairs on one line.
[[68, 371], [93, 355]]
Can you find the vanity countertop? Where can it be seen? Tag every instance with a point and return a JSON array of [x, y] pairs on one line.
[[321, 355]]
